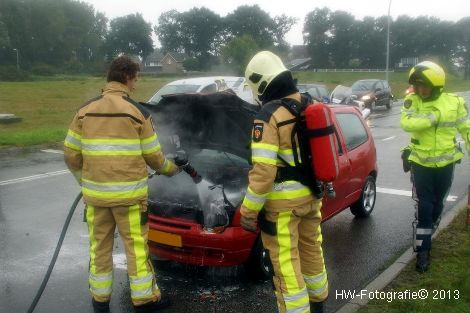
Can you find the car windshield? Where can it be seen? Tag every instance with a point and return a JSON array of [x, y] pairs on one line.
[[172, 89], [363, 85]]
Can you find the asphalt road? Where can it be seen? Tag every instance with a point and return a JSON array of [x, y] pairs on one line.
[[33, 209]]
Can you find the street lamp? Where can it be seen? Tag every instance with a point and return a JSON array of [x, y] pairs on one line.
[[17, 60], [388, 41]]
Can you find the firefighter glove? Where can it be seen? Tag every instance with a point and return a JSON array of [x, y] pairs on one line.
[[248, 223]]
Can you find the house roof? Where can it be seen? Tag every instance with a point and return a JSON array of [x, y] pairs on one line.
[[298, 63]]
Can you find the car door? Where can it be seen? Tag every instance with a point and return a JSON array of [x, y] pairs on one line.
[[355, 137], [331, 206]]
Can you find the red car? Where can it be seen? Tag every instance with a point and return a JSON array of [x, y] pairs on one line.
[[200, 223]]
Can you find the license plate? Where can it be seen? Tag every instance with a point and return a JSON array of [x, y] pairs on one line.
[[165, 238]]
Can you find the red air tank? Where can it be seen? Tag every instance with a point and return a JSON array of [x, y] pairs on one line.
[[323, 141]]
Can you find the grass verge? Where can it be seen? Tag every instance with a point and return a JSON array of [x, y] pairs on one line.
[[447, 282]]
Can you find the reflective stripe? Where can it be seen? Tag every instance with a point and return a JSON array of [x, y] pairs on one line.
[[90, 218], [254, 201], [121, 190], [285, 259], [444, 157], [73, 140], [101, 284], [446, 124], [106, 291], [316, 284], [150, 145], [461, 120], [418, 243], [288, 190], [141, 287], [297, 303], [111, 149], [423, 231], [101, 277], [264, 153], [288, 156], [166, 167]]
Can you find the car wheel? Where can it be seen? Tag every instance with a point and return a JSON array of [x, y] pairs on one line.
[[371, 106], [388, 105], [364, 206], [258, 266]]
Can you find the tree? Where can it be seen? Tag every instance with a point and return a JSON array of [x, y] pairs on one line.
[[317, 37], [169, 31], [129, 34], [462, 51], [238, 52]]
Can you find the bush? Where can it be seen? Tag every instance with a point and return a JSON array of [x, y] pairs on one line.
[[44, 70], [10, 73]]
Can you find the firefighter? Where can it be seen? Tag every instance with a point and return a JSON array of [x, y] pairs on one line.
[[289, 214], [433, 118], [109, 144]]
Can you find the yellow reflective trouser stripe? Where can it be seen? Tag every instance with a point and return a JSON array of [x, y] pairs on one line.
[[111, 147], [297, 302], [150, 144], [100, 284], [142, 283], [288, 190], [73, 140], [316, 284], [264, 153], [254, 201], [285, 259], [121, 190]]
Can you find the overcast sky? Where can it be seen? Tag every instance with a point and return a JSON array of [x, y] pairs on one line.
[[451, 10]]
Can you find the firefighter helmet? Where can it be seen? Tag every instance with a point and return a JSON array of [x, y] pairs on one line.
[[261, 70], [427, 73]]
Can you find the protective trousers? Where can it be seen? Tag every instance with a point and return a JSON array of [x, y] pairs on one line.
[[133, 230], [297, 257], [430, 188]]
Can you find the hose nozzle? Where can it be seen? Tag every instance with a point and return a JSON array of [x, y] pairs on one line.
[[182, 161]]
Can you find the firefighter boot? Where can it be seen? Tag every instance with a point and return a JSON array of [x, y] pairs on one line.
[[316, 307], [153, 307], [100, 307], [422, 261]]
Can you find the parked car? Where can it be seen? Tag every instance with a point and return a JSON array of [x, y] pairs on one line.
[[200, 223], [190, 85], [316, 91], [343, 95], [373, 92], [240, 87]]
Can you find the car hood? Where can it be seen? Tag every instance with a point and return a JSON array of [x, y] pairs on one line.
[[191, 122], [361, 93]]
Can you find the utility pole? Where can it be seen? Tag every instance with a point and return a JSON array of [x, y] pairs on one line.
[[388, 41], [17, 60]]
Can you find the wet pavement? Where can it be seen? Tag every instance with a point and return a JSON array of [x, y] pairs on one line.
[[33, 210]]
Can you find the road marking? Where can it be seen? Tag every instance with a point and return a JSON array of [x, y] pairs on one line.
[[33, 177], [407, 193], [53, 151], [389, 138], [120, 261]]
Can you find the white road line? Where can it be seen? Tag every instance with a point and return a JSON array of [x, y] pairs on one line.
[[119, 260], [407, 193], [389, 138], [33, 177], [53, 151]]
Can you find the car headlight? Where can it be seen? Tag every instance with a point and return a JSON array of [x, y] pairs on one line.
[[365, 98]]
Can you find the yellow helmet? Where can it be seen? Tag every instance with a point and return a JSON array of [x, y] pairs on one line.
[[261, 70], [427, 73]]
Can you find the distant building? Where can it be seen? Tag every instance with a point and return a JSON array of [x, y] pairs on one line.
[[170, 62], [406, 63], [299, 64]]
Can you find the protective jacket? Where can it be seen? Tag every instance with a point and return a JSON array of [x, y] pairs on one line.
[[271, 142], [433, 126], [109, 144]]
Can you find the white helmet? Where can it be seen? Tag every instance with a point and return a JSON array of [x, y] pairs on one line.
[[261, 70]]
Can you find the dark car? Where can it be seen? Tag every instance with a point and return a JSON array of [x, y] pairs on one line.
[[200, 223], [318, 92], [373, 92]]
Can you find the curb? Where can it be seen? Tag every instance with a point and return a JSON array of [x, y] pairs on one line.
[[386, 277]]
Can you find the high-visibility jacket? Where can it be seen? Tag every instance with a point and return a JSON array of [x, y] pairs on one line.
[[109, 144], [433, 126], [271, 143]]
